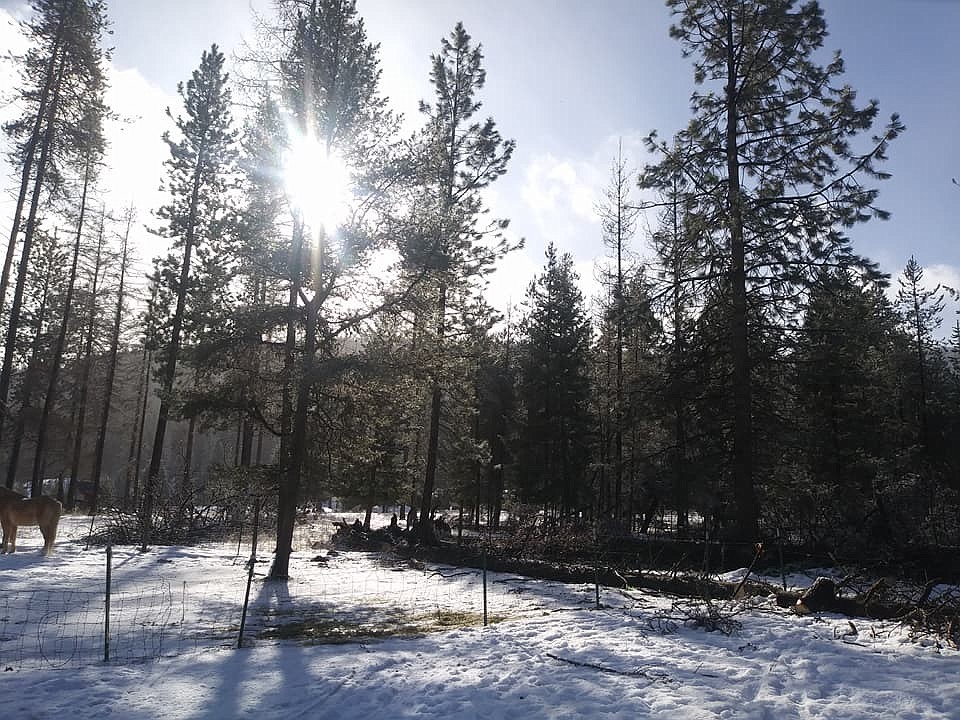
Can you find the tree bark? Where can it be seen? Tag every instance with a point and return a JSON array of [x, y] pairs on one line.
[[13, 322], [289, 484], [85, 375], [425, 529], [29, 385], [31, 147], [36, 481], [170, 371], [743, 490], [111, 375]]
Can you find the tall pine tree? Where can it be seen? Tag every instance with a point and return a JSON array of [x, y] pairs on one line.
[[457, 156], [198, 170], [555, 391], [775, 147]]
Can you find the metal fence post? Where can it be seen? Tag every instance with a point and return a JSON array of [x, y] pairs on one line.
[[106, 607], [484, 587], [251, 564]]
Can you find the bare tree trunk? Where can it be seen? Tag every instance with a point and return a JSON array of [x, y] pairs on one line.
[[186, 481], [30, 150], [29, 385], [111, 374], [289, 485], [85, 373], [425, 529], [681, 486], [13, 321], [131, 490], [48, 402]]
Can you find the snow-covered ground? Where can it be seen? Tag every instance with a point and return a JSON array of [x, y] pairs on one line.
[[410, 643]]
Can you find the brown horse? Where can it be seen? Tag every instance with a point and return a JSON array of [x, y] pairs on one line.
[[17, 509]]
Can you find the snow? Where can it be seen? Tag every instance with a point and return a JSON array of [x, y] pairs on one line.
[[549, 652]]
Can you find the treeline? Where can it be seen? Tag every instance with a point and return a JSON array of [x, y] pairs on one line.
[[321, 310]]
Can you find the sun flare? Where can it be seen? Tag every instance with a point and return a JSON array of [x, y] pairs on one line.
[[317, 182]]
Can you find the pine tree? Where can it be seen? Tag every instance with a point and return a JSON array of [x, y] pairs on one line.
[[922, 312], [329, 82], [50, 399], [777, 137], [60, 131], [111, 366], [555, 391], [679, 287], [85, 363], [618, 219], [457, 157], [197, 173], [50, 261], [848, 398]]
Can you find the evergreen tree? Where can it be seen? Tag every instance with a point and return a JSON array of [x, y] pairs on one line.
[[197, 174], [50, 399], [457, 157], [679, 289], [922, 313], [111, 365], [846, 383], [60, 130], [329, 81], [554, 442], [618, 220], [775, 148]]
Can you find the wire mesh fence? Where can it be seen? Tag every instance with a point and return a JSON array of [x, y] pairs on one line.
[[61, 627], [335, 597]]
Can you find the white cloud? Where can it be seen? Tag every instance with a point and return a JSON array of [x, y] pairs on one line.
[[561, 194], [507, 286], [559, 185], [941, 274]]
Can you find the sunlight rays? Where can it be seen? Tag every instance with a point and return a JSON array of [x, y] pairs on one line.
[[317, 182]]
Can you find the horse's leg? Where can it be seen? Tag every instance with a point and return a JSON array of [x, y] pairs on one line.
[[13, 539], [49, 532], [6, 535]]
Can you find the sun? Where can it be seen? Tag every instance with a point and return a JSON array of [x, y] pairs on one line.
[[317, 182]]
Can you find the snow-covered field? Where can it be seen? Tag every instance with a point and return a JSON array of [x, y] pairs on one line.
[[411, 644]]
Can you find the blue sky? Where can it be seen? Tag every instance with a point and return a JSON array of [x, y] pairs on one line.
[[567, 79]]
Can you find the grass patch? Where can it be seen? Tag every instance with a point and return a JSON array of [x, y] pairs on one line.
[[332, 629]]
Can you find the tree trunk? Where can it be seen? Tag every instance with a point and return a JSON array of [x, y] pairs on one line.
[[681, 486], [370, 500], [170, 371], [85, 374], [289, 485], [29, 385], [13, 321], [31, 146], [425, 529], [36, 481], [132, 490], [743, 490], [111, 375], [618, 416], [186, 481]]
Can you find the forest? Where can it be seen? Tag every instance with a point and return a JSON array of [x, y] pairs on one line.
[[319, 326]]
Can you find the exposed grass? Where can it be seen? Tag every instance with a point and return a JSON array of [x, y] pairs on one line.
[[331, 628]]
